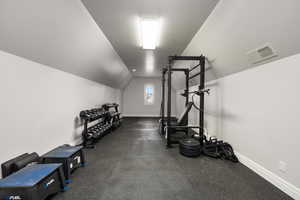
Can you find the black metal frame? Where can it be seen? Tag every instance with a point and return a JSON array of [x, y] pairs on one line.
[[102, 116], [114, 115], [187, 72]]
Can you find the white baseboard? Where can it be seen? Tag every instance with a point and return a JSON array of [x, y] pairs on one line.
[[279, 182]]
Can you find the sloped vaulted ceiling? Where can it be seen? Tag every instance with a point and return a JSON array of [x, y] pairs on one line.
[[236, 27], [63, 35], [119, 20]]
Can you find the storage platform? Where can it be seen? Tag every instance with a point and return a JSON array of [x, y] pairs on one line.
[[35, 182], [71, 157]]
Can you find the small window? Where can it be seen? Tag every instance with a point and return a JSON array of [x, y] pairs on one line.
[[149, 95]]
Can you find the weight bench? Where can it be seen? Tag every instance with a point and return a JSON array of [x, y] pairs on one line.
[[180, 124], [71, 158], [9, 166]]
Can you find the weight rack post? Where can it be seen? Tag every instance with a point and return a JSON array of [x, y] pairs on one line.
[[201, 98], [187, 85], [163, 80], [187, 88], [169, 101], [85, 129]]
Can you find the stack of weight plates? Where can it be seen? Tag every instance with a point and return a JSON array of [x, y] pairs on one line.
[[190, 147]]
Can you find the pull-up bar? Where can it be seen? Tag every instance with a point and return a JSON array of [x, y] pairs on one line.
[[176, 69], [172, 58], [188, 70]]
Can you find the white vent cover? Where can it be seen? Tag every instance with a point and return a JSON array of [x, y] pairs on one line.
[[261, 54]]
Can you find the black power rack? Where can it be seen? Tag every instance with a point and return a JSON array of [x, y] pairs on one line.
[[166, 121], [197, 143]]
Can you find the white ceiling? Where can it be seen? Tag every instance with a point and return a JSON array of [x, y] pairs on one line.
[[236, 27], [118, 19], [63, 35]]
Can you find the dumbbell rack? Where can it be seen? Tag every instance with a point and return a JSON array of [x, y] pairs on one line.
[[93, 133], [114, 114]]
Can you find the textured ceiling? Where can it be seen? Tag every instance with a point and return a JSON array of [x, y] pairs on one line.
[[118, 19]]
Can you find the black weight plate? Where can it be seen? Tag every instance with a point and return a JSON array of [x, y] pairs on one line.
[[190, 142], [190, 147], [190, 154]]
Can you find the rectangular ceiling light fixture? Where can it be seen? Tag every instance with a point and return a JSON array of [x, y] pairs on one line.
[[149, 33]]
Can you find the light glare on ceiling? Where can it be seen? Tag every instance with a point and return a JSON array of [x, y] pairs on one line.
[[149, 61], [149, 29]]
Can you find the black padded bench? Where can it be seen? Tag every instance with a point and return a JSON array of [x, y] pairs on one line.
[[71, 157], [34, 182], [9, 166], [178, 133]]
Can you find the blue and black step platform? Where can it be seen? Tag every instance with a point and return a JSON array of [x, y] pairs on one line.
[[71, 157], [33, 182]]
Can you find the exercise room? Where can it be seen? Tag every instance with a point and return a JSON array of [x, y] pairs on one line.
[[149, 99]]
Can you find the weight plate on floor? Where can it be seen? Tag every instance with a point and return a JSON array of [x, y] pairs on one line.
[[190, 147]]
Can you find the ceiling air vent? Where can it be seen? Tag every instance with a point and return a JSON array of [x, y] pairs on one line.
[[261, 54]]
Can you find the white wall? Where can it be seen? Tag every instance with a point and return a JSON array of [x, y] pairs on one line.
[[236, 27], [39, 106], [133, 98], [258, 111]]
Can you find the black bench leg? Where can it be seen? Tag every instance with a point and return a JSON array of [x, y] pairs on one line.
[[62, 178], [83, 163]]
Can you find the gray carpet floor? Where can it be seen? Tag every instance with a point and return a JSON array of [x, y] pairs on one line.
[[132, 163]]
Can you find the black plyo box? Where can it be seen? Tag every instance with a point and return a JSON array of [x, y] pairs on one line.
[[71, 157], [35, 182]]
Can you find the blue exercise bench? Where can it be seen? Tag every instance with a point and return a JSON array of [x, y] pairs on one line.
[[34, 182], [71, 158]]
